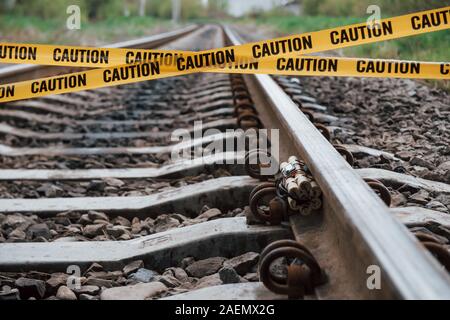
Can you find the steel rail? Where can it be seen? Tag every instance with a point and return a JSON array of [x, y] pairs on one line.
[[356, 224]]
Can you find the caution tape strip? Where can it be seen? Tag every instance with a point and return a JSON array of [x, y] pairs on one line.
[[283, 56], [301, 44], [302, 66]]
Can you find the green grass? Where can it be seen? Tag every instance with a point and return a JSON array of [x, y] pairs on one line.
[[16, 28]]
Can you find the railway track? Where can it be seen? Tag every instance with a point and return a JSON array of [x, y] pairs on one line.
[[148, 191]]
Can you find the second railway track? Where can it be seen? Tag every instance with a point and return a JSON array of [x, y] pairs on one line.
[[90, 183]]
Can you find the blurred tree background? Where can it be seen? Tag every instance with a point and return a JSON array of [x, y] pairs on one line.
[[104, 9], [103, 21], [349, 8]]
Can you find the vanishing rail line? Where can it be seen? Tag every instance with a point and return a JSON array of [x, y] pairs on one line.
[[90, 180]]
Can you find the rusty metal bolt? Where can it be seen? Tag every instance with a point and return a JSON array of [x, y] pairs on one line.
[[381, 190], [253, 164], [241, 94], [323, 130], [440, 252], [244, 107], [239, 87], [348, 156], [309, 114], [258, 198], [241, 101], [301, 279], [261, 186], [248, 120]]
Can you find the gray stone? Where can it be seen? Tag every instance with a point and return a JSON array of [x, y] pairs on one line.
[[93, 230], [92, 281], [415, 161], [405, 155], [40, 230], [229, 275], [179, 217], [144, 275], [97, 185], [30, 288], [243, 263], [64, 293], [89, 290], [50, 190], [437, 238], [164, 222], [115, 231], [209, 214], [136, 227], [114, 275], [252, 277], [125, 237], [13, 221], [187, 262], [101, 221], [72, 215], [39, 239], [94, 215], [56, 280], [140, 291], [63, 221], [398, 199], [169, 281], [84, 220], [133, 267], [122, 221], [209, 281], [203, 268], [436, 205], [95, 267], [112, 182], [17, 234], [8, 294], [178, 273], [105, 275], [87, 297], [421, 197], [445, 166]]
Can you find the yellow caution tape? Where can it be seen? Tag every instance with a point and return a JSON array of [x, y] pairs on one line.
[[343, 67], [283, 56], [318, 41], [302, 66]]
